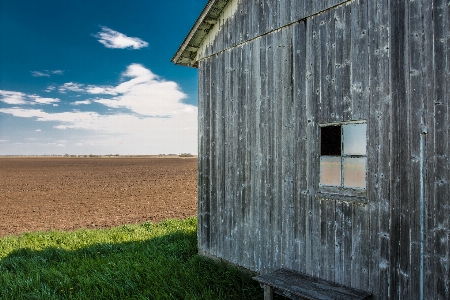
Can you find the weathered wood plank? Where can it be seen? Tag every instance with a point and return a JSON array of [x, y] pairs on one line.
[[273, 15], [264, 140], [310, 133], [346, 65], [256, 170], [360, 108], [378, 149], [360, 60], [251, 155], [212, 188], [325, 23], [201, 145], [441, 229], [228, 98], [384, 102], [398, 247], [220, 153], [314, 97], [287, 154], [346, 249], [299, 85], [239, 185], [271, 106], [340, 62], [323, 53], [428, 289], [330, 66], [206, 227], [416, 125], [229, 153], [276, 155]]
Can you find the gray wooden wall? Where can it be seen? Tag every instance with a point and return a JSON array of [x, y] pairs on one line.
[[254, 18], [260, 103]]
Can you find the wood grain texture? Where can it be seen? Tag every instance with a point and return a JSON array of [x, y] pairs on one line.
[[252, 19], [266, 83]]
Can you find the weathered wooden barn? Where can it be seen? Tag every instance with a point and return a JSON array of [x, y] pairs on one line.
[[324, 139]]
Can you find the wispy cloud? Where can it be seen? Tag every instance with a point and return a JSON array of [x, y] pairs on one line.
[[18, 98], [39, 100], [46, 73], [114, 39], [70, 86], [39, 74], [50, 88], [14, 98], [82, 102], [34, 144]]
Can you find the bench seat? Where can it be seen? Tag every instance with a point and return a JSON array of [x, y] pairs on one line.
[[296, 285]]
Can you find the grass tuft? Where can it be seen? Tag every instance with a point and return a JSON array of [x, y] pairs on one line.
[[147, 261]]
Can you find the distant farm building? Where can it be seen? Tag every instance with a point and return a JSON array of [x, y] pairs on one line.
[[323, 139]]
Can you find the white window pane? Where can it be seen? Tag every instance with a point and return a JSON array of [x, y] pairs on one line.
[[354, 139], [355, 172], [330, 170]]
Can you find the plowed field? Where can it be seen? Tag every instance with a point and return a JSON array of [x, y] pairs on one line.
[[42, 194]]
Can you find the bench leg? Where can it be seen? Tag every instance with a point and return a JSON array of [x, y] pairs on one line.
[[268, 292]]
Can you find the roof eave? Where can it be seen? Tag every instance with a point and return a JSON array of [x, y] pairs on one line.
[[186, 54]]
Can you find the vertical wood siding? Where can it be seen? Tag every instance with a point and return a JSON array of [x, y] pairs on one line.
[[245, 20], [420, 162], [260, 103]]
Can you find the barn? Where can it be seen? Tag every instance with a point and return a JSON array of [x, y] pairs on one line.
[[323, 139]]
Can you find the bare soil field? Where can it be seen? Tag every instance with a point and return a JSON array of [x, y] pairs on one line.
[[42, 194]]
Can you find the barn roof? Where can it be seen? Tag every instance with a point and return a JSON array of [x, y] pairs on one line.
[[188, 50]]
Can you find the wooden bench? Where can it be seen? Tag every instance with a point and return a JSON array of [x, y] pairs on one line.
[[295, 285]]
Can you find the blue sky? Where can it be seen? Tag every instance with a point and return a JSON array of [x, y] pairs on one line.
[[95, 77]]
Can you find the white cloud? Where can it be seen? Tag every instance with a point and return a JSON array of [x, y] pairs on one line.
[[148, 95], [86, 102], [14, 98], [38, 130], [142, 92], [18, 98], [57, 72], [114, 39], [101, 90], [39, 100], [136, 134], [50, 88], [2, 141], [157, 122], [70, 86]]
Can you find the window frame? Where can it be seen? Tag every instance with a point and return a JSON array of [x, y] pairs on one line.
[[341, 193]]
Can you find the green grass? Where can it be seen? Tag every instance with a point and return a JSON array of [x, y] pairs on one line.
[[148, 261]]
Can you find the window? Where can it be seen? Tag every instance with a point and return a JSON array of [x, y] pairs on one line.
[[343, 156]]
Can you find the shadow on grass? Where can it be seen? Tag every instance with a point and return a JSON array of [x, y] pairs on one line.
[[163, 267]]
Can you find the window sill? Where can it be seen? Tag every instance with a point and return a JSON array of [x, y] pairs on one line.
[[342, 194]]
